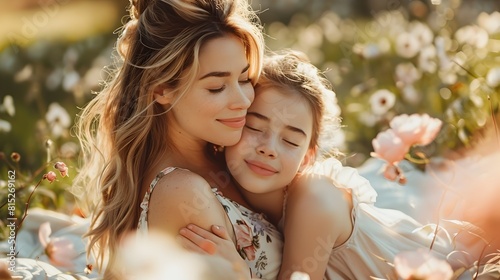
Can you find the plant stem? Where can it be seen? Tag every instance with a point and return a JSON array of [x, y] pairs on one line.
[[27, 206]]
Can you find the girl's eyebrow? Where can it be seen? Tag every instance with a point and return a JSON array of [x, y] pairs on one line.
[[222, 73], [267, 119]]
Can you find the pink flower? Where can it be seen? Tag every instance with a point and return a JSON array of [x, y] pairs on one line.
[[394, 173], [421, 264], [415, 129], [61, 166], [391, 172], [50, 176], [244, 240], [389, 147], [59, 250]]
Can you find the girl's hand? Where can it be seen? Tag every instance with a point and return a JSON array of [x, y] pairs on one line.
[[217, 242]]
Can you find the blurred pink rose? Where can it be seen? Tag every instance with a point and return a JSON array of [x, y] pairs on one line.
[[389, 147], [421, 264], [59, 250], [244, 240], [415, 129]]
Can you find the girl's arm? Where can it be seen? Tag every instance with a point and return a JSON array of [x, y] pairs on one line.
[[317, 217], [215, 242]]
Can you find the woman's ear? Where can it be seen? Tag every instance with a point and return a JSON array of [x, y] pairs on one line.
[[163, 96], [308, 159]]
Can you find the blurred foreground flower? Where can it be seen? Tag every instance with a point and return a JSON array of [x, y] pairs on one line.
[[422, 265], [297, 275], [157, 256], [59, 250]]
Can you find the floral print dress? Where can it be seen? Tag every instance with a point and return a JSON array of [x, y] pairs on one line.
[[258, 242]]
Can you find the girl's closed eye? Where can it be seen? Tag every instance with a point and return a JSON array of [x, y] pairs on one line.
[[252, 128], [291, 143]]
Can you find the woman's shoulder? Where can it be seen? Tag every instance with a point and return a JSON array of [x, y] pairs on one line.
[[182, 197]]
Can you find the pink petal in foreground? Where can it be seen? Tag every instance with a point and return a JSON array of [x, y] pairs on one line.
[[420, 264], [43, 234]]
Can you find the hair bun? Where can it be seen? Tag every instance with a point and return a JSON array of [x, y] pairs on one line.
[[137, 7], [124, 41]]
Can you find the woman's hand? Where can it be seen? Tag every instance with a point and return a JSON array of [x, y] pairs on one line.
[[217, 242]]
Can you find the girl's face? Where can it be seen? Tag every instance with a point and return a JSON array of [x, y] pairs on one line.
[[214, 108], [274, 142]]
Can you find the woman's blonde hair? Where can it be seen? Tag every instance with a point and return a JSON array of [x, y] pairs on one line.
[[291, 71], [120, 130]]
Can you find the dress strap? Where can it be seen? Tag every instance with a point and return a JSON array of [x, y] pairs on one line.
[[143, 219]]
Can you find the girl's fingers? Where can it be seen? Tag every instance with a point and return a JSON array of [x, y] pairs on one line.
[[221, 232], [196, 244], [203, 232], [188, 245]]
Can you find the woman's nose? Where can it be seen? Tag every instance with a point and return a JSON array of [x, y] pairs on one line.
[[242, 97]]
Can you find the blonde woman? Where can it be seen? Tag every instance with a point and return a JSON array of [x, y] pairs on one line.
[[183, 86]]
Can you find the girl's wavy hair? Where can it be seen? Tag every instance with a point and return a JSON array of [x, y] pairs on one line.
[[122, 129], [291, 71]]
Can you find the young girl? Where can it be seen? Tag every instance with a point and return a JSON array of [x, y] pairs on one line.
[[184, 81], [330, 225]]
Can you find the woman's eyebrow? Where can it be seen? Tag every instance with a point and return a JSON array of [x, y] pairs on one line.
[[222, 73]]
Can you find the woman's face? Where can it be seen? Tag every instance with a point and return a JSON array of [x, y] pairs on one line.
[[274, 142], [214, 108]]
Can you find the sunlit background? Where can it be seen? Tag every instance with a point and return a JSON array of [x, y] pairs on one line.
[[383, 58]]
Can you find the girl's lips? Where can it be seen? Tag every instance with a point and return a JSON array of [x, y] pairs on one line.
[[234, 122], [261, 168]]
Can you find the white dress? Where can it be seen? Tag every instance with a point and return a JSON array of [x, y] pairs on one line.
[[377, 233], [259, 243]]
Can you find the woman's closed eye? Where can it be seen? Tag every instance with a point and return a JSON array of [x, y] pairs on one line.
[[245, 81], [217, 90]]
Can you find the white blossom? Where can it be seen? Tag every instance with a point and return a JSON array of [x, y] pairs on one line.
[[8, 106], [58, 119], [382, 101], [70, 80], [472, 35], [493, 77], [407, 45], [407, 74], [422, 32], [427, 59], [490, 22], [5, 126]]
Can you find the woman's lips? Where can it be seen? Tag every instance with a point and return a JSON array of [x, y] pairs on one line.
[[234, 122], [261, 168]]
